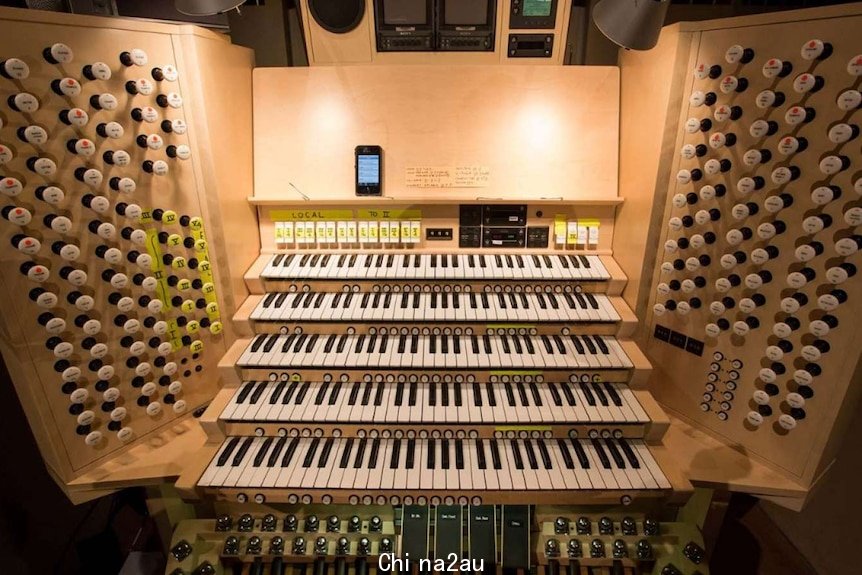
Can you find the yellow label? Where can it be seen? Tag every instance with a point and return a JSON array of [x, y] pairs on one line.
[[363, 232], [405, 230], [415, 231], [216, 327], [184, 285], [201, 245], [288, 232], [188, 306], [178, 263], [146, 217], [300, 232], [384, 232], [295, 377], [308, 214], [389, 214], [279, 232], [175, 240], [169, 217], [196, 223], [589, 223], [212, 308], [193, 326], [572, 233], [197, 346], [342, 231], [560, 225], [373, 230], [522, 428]]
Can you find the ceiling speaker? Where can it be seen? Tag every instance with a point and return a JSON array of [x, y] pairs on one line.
[[337, 17]]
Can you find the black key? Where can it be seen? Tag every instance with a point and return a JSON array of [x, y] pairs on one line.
[[567, 391], [359, 341], [522, 394], [366, 394], [300, 395], [480, 454], [288, 343], [543, 452], [444, 453], [396, 454], [502, 301], [591, 399], [411, 401], [510, 396], [456, 344], [516, 451], [280, 299], [567, 457], [529, 343], [342, 341], [258, 341], [601, 344], [223, 457], [416, 301], [321, 393], [492, 396], [372, 457], [269, 297], [547, 343], [555, 394], [411, 450], [348, 299], [577, 343], [335, 299], [399, 393], [477, 394], [312, 341], [402, 343], [456, 390], [456, 300], [444, 344], [378, 396], [534, 391], [603, 399], [615, 454], [354, 393], [405, 298], [434, 300], [581, 454], [267, 347], [279, 388], [531, 454], [560, 346], [541, 299], [372, 339], [244, 391], [432, 394], [513, 301], [324, 454], [589, 343], [345, 455], [495, 455], [518, 348], [291, 388], [475, 343], [505, 340], [444, 394], [243, 449], [429, 451], [575, 261], [585, 261], [472, 298], [288, 454], [592, 299], [432, 344], [570, 301], [299, 342], [563, 261], [603, 457], [630, 454], [336, 391], [459, 454], [330, 341], [485, 303], [309, 455], [360, 453], [444, 300], [552, 299], [276, 451], [581, 301], [277, 259]]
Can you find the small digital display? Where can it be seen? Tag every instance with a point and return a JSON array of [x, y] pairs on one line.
[[405, 12], [466, 12], [368, 170], [537, 8]]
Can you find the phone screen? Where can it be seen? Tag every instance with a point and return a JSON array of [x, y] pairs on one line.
[[368, 170]]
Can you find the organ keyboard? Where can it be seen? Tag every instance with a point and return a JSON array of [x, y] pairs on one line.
[[417, 351], [387, 377], [344, 468], [389, 266]]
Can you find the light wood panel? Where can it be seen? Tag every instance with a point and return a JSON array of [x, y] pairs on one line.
[[802, 454], [152, 452], [543, 132]]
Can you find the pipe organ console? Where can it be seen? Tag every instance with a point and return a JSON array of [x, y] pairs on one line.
[[473, 369]]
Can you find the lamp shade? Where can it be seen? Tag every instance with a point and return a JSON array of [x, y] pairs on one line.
[[633, 24], [206, 7]]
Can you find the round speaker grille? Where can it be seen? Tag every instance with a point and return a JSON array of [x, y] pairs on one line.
[[337, 17]]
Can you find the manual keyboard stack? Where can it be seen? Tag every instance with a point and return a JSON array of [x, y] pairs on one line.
[[392, 378]]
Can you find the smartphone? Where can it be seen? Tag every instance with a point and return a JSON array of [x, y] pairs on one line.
[[369, 170]]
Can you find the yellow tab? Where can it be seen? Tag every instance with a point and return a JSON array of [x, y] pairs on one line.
[[169, 217], [560, 225], [572, 233], [216, 327], [193, 326], [188, 306], [389, 214], [307, 214], [589, 223], [196, 223], [384, 232], [178, 263], [197, 346], [212, 308], [184, 284], [405, 229]]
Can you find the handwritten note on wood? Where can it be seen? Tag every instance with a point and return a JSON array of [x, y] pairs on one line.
[[448, 176]]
